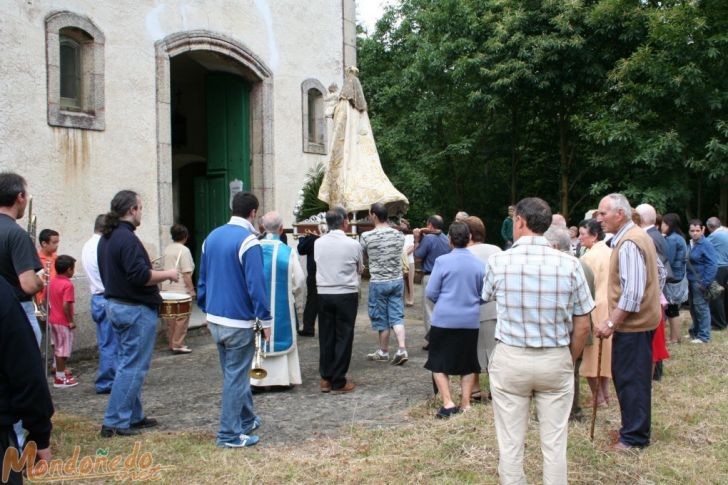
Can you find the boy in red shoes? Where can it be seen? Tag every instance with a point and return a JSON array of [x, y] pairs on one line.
[[61, 319]]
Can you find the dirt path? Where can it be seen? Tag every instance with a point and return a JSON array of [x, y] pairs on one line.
[[183, 391]]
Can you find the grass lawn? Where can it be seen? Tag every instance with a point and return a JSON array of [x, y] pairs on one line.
[[689, 442]]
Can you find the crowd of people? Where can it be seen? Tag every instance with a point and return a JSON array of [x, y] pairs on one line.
[[529, 315]]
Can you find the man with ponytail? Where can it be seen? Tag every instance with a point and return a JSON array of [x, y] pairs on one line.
[[130, 287]]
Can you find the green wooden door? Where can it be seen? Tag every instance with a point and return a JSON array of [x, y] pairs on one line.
[[227, 102]]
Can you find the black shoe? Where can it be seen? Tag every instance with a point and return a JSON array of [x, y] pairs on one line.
[[306, 333], [109, 432], [145, 423], [104, 391]]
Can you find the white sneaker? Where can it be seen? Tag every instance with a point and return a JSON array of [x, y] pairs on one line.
[[696, 341], [400, 358], [378, 356]]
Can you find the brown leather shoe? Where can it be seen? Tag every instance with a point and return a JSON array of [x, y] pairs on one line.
[[325, 385], [621, 447], [343, 390], [613, 435]]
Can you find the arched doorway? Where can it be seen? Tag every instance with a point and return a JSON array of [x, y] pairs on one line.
[[214, 107]]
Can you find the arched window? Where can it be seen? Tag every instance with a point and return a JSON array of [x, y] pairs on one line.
[[70, 82], [314, 123], [75, 53]]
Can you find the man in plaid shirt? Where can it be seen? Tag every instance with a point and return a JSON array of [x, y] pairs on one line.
[[543, 321]]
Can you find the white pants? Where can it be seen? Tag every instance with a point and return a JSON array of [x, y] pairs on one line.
[[516, 375]]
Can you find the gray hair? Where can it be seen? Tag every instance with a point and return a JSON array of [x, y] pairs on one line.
[[558, 238], [619, 201], [647, 214], [713, 223], [272, 222], [335, 217]]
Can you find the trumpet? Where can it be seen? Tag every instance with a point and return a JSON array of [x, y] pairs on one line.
[[31, 221], [256, 369]]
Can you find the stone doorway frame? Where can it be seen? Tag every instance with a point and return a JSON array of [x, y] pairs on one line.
[[261, 115]]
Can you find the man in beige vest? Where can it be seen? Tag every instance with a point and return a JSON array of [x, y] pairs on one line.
[[634, 313]]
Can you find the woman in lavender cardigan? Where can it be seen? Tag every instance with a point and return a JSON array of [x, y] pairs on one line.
[[455, 286]]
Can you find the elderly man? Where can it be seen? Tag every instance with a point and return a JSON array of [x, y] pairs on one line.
[[132, 294], [719, 239], [338, 266], [550, 331], [634, 313], [231, 290], [648, 217], [429, 245], [285, 284], [383, 246]]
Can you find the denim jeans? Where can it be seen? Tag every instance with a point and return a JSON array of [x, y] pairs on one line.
[[30, 311], [135, 327], [700, 312], [386, 306], [235, 347], [106, 342]]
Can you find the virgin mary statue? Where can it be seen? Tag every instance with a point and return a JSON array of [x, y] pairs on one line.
[[354, 177]]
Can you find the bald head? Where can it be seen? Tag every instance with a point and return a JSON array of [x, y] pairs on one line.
[[558, 221], [272, 222], [647, 213]]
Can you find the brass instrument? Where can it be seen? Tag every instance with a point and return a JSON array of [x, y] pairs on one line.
[[31, 220], [256, 369]]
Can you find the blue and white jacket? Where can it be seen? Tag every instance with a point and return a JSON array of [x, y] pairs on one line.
[[232, 288]]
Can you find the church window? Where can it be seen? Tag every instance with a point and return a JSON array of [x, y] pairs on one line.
[[75, 64], [314, 122]]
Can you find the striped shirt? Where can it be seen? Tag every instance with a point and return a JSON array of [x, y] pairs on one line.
[[633, 272], [538, 290]]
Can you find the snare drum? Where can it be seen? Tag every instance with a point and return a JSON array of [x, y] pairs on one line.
[[175, 305]]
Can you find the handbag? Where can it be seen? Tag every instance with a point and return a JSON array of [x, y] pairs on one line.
[[713, 291]]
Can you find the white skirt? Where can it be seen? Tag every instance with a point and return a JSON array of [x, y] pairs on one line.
[[283, 370]]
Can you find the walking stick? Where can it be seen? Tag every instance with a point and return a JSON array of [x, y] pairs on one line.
[[596, 392]]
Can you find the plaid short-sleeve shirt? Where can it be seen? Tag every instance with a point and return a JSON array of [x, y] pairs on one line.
[[538, 290]]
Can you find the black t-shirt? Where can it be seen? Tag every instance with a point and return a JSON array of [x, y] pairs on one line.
[[17, 255]]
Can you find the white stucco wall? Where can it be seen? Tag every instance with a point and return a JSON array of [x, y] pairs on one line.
[[73, 174]]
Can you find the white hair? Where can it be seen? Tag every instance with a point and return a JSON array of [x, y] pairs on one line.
[[558, 238], [713, 223], [272, 222], [619, 201], [647, 214]]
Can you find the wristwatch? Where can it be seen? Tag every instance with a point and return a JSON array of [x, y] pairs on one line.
[[610, 324]]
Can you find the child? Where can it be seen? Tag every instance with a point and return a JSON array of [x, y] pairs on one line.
[[61, 318], [48, 240]]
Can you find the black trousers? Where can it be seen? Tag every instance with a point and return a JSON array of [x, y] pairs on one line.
[[632, 375], [311, 308], [718, 306], [8, 440], [336, 315]]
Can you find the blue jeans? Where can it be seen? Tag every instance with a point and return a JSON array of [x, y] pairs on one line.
[[235, 347], [106, 342], [135, 327], [30, 311], [386, 306], [700, 312]]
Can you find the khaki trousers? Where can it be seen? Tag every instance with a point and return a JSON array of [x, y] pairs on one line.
[[516, 375], [177, 331], [427, 306]]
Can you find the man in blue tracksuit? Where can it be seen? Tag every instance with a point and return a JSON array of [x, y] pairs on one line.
[[231, 289]]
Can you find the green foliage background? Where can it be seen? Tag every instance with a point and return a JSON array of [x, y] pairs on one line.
[[478, 103]]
